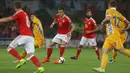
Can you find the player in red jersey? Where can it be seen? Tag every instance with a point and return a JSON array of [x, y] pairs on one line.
[[25, 38], [65, 28], [89, 35]]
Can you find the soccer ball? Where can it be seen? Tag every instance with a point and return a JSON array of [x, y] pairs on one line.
[[61, 60]]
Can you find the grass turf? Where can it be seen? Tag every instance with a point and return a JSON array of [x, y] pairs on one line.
[[87, 60]]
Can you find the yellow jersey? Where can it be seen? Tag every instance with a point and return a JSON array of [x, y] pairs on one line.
[[37, 28], [123, 35], [115, 19]]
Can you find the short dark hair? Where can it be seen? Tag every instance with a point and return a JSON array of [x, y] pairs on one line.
[[32, 13], [113, 3], [61, 8], [18, 4], [88, 10]]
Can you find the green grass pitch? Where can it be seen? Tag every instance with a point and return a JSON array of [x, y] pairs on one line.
[[87, 60]]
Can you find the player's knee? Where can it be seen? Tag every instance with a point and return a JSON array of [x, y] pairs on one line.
[[105, 51], [52, 44], [62, 45], [121, 51], [9, 48], [80, 46], [30, 55]]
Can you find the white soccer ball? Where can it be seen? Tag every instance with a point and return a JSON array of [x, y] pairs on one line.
[[61, 60]]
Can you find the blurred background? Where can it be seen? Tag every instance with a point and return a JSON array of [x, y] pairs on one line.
[[46, 9]]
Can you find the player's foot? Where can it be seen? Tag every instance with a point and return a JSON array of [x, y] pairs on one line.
[[99, 58], [112, 61], [17, 61], [40, 70], [73, 57], [21, 63], [99, 70], [45, 60], [56, 61]]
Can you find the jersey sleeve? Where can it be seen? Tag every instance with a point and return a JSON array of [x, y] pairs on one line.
[[108, 13], [122, 18], [69, 20], [35, 21], [15, 16], [94, 23]]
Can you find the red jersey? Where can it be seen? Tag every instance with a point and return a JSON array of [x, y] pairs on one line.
[[23, 22], [63, 24], [89, 25]]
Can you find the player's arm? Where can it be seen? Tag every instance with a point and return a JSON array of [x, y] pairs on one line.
[[127, 23], [96, 29], [106, 20], [79, 28], [72, 26], [6, 19], [53, 23]]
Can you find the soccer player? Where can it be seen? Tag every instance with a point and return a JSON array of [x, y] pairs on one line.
[[65, 28], [25, 38], [89, 36], [37, 33], [113, 17], [123, 37]]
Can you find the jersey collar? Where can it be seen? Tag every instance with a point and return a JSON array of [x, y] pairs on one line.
[[113, 8], [89, 19]]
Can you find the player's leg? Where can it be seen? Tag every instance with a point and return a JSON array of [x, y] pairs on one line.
[[13, 52], [12, 46], [79, 49], [77, 53], [54, 41], [62, 48], [97, 51], [106, 48], [18, 41], [49, 52], [114, 56], [29, 47], [93, 43], [23, 55], [121, 49]]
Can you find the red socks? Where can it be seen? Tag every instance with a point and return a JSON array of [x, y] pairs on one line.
[[62, 49], [78, 52], [49, 52], [97, 52], [14, 53], [35, 61]]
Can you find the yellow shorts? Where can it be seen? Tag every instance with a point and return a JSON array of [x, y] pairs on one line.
[[39, 42], [112, 42], [123, 37]]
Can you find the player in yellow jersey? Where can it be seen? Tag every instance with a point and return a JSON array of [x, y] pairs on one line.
[[38, 33], [123, 37], [113, 17]]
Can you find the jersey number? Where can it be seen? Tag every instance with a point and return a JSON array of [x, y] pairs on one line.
[[116, 21], [27, 21]]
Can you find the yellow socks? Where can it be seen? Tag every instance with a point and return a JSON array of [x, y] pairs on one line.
[[114, 55], [127, 52], [23, 55], [104, 61]]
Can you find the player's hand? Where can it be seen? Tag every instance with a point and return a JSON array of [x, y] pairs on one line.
[[78, 28], [123, 30], [51, 26], [69, 34]]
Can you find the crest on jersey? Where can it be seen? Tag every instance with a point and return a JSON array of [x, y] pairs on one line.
[[63, 20]]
